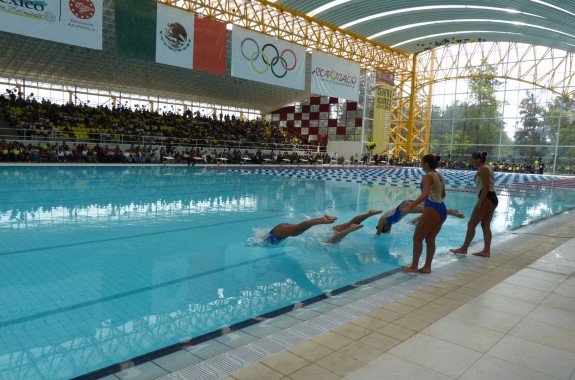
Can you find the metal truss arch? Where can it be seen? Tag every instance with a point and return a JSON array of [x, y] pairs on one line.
[[544, 67], [287, 24], [547, 68]]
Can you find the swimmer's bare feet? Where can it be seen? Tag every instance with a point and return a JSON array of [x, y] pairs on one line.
[[424, 270], [343, 233], [459, 251], [409, 269], [482, 254], [329, 219], [355, 227]]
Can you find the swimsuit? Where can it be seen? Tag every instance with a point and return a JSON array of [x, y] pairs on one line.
[[437, 206], [397, 215], [491, 195], [435, 200], [272, 238]]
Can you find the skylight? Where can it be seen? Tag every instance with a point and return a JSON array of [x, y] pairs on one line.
[[553, 6], [433, 7], [327, 6], [411, 26]]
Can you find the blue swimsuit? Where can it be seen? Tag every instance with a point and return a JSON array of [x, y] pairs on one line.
[[397, 215], [437, 206], [273, 239]]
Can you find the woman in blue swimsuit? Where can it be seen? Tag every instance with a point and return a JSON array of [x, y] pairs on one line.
[[285, 230], [394, 215], [434, 214]]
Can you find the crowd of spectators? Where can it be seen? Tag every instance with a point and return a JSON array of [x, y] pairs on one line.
[[48, 121], [15, 151], [158, 137]]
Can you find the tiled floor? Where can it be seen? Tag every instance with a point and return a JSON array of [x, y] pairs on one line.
[[511, 316]]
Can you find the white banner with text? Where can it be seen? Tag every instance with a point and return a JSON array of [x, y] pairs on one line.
[[333, 76], [74, 22]]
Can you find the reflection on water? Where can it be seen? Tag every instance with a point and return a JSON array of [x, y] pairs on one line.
[[99, 265]]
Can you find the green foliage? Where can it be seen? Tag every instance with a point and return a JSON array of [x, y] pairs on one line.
[[532, 130], [476, 121]]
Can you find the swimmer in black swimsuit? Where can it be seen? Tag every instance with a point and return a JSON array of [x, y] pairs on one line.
[[484, 208]]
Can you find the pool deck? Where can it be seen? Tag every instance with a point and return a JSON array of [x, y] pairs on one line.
[[510, 316]]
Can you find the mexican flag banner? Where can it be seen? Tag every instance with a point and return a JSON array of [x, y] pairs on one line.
[[157, 32], [174, 36]]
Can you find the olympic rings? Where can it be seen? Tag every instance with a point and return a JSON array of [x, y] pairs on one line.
[[270, 64]]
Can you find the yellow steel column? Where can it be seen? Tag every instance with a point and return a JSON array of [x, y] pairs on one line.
[[425, 127], [411, 121]]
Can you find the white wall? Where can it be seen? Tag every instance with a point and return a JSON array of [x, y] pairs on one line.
[[345, 148]]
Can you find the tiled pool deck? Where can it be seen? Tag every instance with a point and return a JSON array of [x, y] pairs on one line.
[[511, 316]]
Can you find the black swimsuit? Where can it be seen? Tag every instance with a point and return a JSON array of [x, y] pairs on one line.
[[491, 196]]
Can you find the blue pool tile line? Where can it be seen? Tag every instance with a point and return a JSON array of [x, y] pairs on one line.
[[411, 177]]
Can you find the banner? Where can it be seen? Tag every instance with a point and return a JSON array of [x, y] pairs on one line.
[[156, 32], [333, 76], [174, 36], [264, 59], [74, 22], [210, 45], [384, 91]]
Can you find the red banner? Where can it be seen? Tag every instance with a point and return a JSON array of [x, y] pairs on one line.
[[209, 45]]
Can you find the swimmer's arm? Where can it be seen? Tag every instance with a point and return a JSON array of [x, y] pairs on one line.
[[426, 188]]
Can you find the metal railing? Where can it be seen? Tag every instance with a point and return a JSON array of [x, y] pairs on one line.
[[38, 137]]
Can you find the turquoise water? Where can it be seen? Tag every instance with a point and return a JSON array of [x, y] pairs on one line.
[[102, 264]]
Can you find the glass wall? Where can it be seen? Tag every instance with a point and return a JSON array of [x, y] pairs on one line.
[[518, 122]]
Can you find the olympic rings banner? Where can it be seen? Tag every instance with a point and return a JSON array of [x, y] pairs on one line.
[[333, 76], [74, 22], [264, 59]]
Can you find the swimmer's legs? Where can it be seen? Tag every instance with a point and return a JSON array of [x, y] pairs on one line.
[[286, 230], [341, 234], [356, 220]]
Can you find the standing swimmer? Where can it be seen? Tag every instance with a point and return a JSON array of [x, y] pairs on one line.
[[484, 208], [434, 214]]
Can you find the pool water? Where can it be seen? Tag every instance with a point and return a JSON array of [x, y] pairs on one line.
[[99, 265]]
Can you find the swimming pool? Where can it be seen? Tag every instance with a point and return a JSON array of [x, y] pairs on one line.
[[103, 264]]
